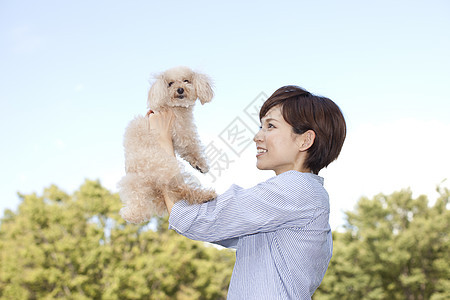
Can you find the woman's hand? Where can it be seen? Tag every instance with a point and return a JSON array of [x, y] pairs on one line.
[[161, 122]]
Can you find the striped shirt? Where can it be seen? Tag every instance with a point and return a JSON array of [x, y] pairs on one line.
[[279, 228]]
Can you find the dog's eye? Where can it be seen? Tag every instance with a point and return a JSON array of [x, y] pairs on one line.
[[170, 83], [187, 81]]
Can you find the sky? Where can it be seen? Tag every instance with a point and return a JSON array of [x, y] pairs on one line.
[[74, 73]]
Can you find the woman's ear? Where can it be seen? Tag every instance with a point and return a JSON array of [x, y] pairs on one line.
[[307, 140]]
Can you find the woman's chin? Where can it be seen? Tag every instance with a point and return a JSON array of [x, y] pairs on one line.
[[261, 167]]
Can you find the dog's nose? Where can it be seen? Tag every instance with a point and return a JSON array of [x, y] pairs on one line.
[[180, 91]]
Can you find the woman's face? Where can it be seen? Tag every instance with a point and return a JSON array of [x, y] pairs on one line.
[[278, 147]]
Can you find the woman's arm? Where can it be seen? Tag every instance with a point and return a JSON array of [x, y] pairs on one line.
[[288, 200], [169, 202], [162, 123]]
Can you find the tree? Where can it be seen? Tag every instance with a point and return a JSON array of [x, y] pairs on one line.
[[393, 247], [77, 247]]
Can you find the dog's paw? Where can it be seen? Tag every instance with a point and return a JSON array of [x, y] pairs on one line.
[[202, 169]]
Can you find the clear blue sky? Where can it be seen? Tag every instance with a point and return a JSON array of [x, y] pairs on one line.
[[74, 73]]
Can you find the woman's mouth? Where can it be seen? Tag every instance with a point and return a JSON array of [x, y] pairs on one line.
[[260, 151]]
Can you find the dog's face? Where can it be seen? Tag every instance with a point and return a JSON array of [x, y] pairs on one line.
[[179, 87], [181, 91]]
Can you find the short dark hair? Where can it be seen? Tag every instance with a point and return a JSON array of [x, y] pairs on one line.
[[305, 111]]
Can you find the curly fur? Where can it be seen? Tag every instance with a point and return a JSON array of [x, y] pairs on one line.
[[149, 169]]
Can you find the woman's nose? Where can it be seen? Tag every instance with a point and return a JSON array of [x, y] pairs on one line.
[[258, 137]]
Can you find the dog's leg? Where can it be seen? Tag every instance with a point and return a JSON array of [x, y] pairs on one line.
[[137, 198], [187, 144], [193, 153], [192, 194]]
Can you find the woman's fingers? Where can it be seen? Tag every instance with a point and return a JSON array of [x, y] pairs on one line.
[[161, 120]]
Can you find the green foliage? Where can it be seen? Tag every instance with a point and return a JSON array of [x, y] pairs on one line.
[[393, 247], [77, 247]]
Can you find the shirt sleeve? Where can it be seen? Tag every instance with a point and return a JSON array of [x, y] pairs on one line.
[[280, 202]]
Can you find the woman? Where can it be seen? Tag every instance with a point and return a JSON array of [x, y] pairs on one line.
[[279, 227]]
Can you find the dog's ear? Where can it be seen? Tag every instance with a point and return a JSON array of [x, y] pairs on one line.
[[157, 93], [202, 85]]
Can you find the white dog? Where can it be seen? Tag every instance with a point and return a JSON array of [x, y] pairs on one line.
[[149, 169]]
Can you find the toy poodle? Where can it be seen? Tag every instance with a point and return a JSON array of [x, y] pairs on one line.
[[149, 169]]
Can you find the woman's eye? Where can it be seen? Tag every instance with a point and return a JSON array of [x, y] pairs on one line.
[[269, 125], [187, 81], [170, 83]]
